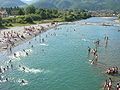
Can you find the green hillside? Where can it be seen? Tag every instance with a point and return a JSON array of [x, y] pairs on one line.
[[82, 4], [11, 3]]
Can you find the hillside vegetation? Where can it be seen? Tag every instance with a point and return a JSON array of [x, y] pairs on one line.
[[79, 4]]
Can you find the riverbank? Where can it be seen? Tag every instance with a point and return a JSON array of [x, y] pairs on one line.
[[18, 35], [63, 58], [117, 21]]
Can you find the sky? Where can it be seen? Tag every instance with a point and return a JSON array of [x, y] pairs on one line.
[[27, 1]]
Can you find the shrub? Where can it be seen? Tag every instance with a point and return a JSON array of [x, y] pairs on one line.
[[35, 17], [28, 19]]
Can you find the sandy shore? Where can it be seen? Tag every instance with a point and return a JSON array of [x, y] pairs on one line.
[[117, 21], [21, 31]]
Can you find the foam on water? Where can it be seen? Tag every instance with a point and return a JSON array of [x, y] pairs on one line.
[[32, 70], [20, 54], [22, 84], [3, 81], [85, 40], [43, 44]]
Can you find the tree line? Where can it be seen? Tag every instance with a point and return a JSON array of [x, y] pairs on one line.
[[30, 14]]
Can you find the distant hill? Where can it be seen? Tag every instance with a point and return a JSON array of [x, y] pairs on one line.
[[81, 4], [29, 1], [11, 3], [44, 5]]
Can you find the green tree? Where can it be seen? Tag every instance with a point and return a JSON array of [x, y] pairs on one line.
[[0, 21], [30, 9], [43, 14], [21, 12], [38, 11], [28, 19]]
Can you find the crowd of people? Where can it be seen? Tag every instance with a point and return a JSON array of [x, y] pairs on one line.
[[94, 51], [108, 85], [10, 38], [112, 71]]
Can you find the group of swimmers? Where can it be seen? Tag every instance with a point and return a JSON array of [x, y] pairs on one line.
[[13, 36], [108, 85], [112, 71], [3, 70], [15, 54], [94, 53]]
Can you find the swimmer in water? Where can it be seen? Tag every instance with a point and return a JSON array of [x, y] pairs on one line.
[[29, 42], [10, 61], [32, 46], [23, 81], [23, 68], [11, 66], [6, 79], [27, 53], [89, 50], [24, 50], [7, 67], [15, 55]]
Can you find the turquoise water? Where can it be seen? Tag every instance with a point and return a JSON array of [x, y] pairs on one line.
[[62, 62]]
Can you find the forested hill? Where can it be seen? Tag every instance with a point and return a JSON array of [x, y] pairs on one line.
[[81, 4], [11, 3]]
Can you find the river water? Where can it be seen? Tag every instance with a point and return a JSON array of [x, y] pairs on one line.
[[62, 62]]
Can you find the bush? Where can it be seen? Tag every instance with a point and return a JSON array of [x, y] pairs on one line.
[[5, 24], [10, 24], [35, 17], [28, 19], [21, 21]]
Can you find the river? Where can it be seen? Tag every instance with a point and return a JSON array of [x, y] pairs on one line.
[[62, 62]]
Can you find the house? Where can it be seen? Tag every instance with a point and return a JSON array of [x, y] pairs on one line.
[[3, 13]]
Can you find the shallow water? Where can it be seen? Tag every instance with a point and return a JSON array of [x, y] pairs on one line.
[[62, 63]]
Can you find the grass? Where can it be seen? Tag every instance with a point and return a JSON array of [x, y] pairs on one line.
[[49, 20], [35, 22], [2, 27]]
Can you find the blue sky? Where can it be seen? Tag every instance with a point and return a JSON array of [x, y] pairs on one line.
[[26, 0]]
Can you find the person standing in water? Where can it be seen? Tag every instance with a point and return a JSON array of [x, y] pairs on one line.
[[96, 58], [106, 40], [89, 51]]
